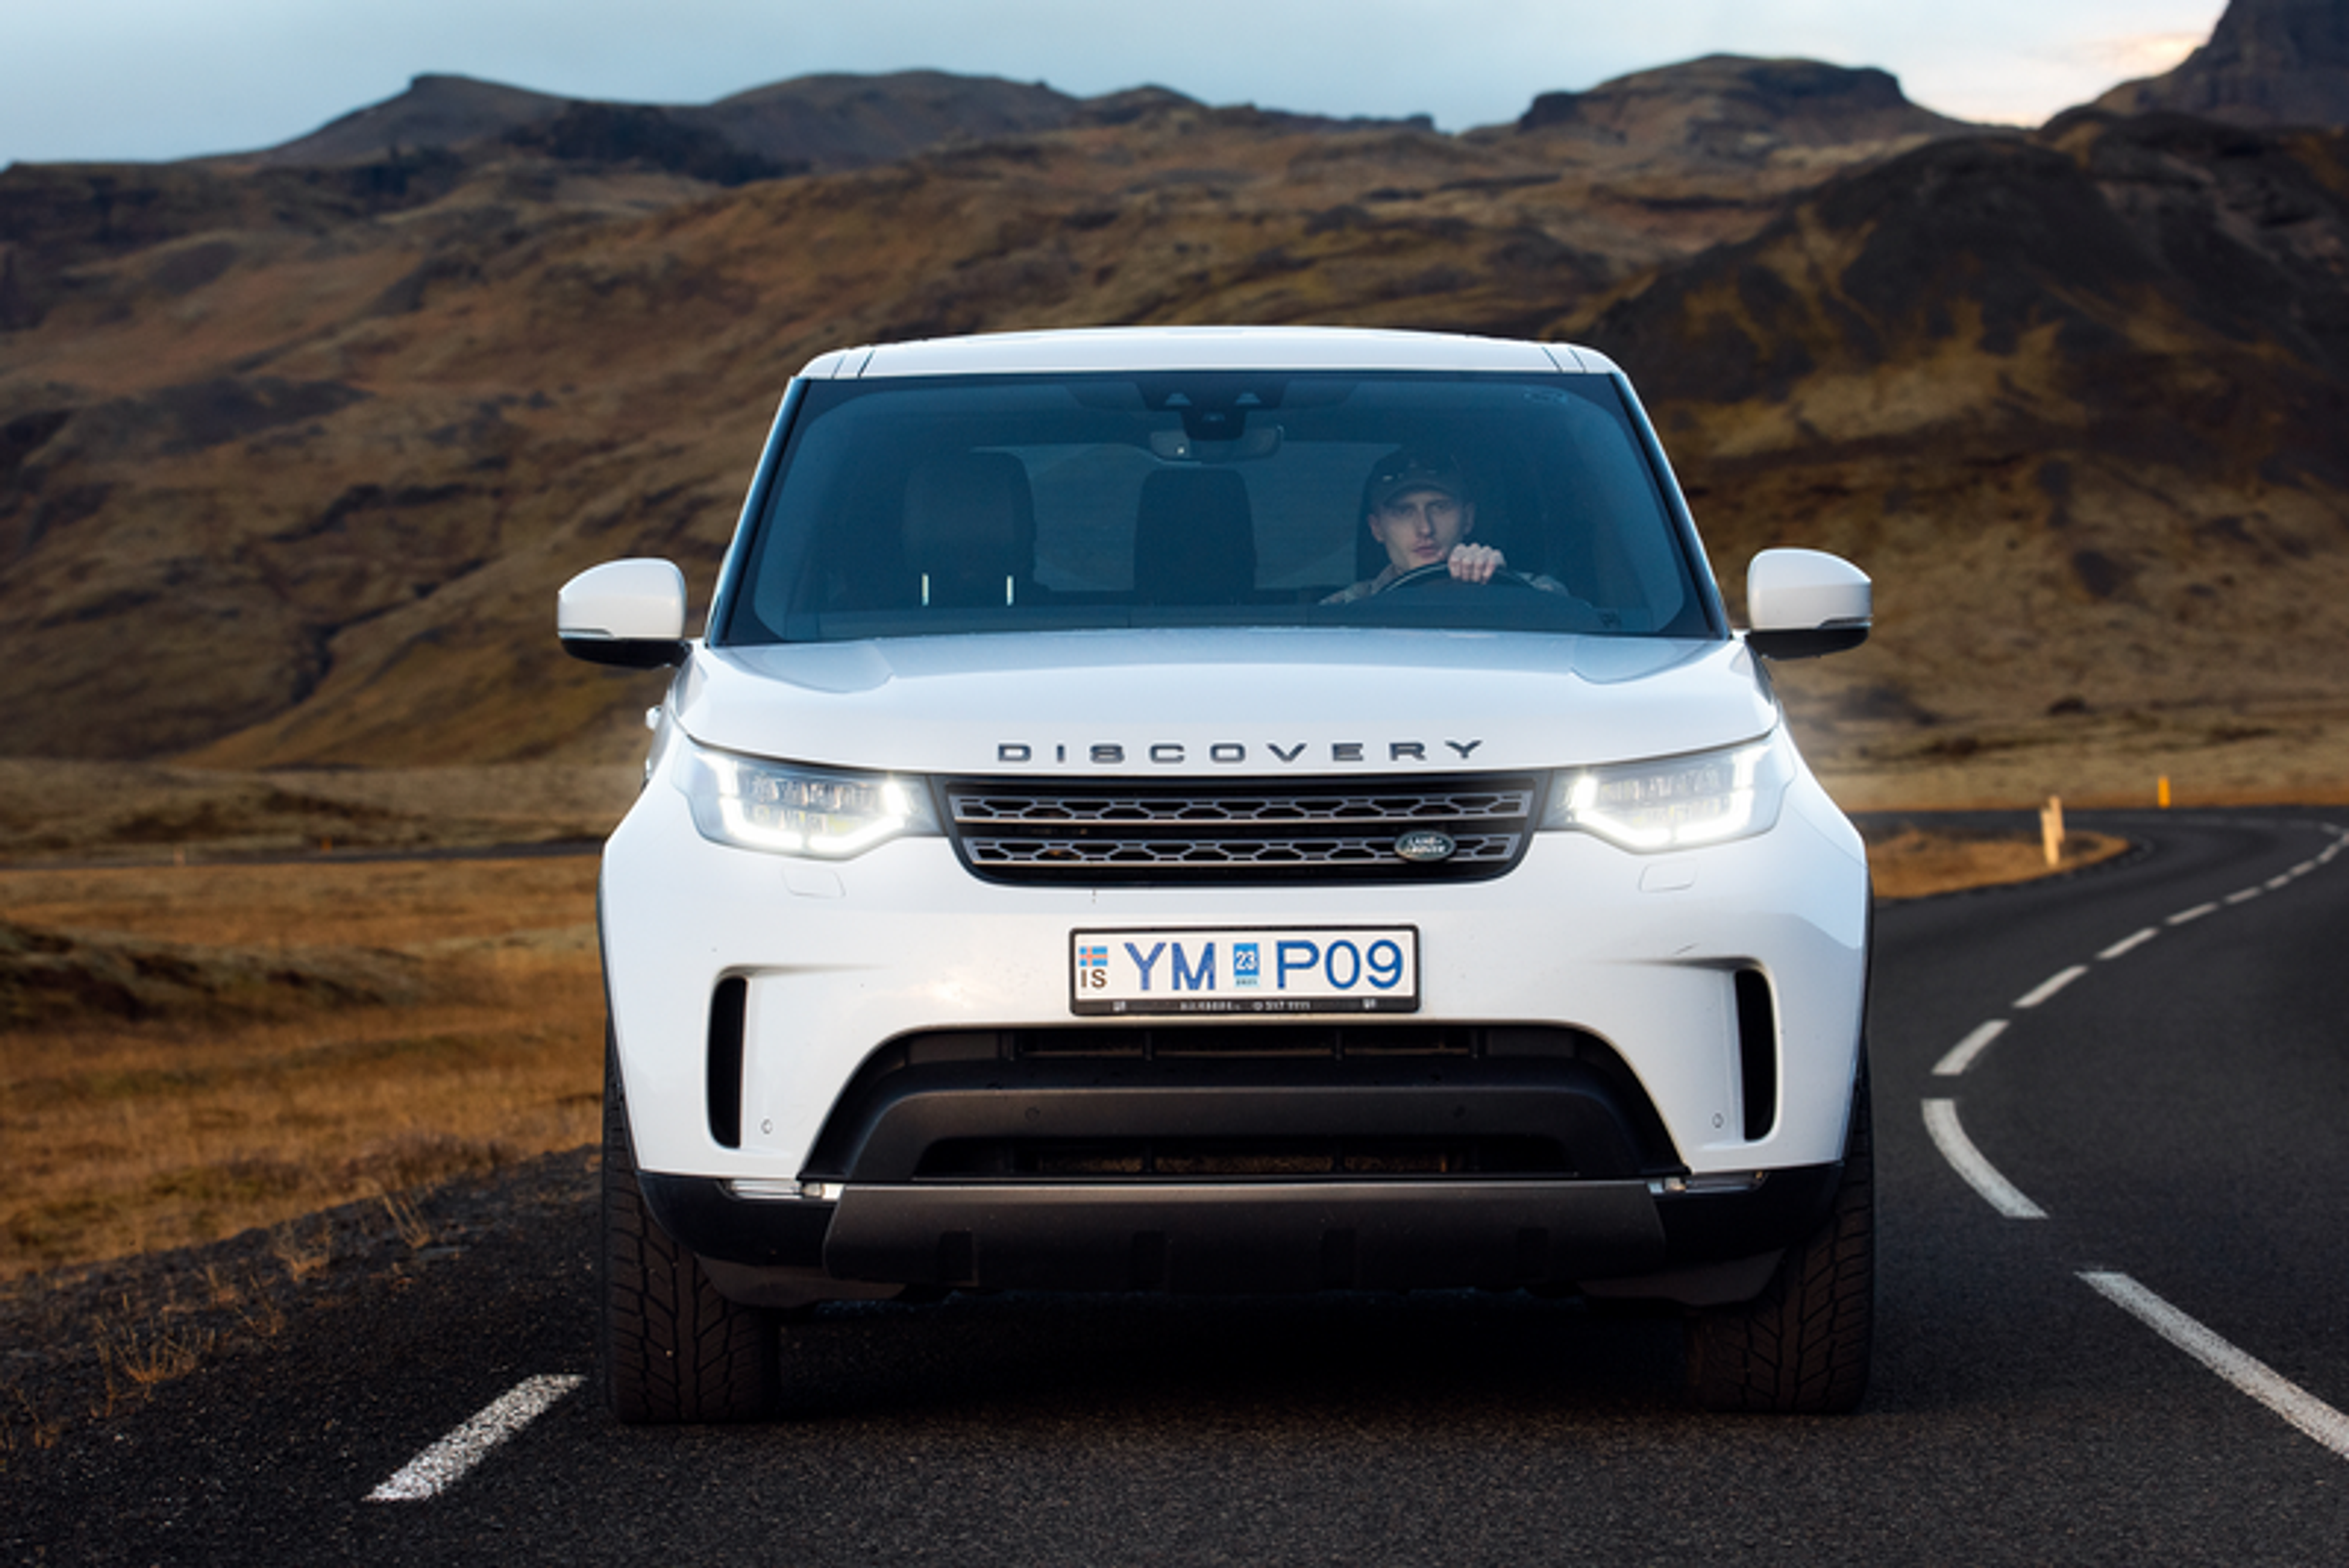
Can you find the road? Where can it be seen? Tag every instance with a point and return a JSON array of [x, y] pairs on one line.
[[2117, 1334]]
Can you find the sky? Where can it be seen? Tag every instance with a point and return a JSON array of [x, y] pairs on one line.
[[157, 80]]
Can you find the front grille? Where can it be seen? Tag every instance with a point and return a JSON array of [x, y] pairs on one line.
[[1252, 830]]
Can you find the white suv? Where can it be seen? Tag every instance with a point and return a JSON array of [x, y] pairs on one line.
[[1232, 810]]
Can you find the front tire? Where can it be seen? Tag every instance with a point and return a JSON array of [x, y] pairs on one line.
[[1802, 1346], [673, 1348]]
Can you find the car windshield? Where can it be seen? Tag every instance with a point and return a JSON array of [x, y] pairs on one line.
[[1027, 503]]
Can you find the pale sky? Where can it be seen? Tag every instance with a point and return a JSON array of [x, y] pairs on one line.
[[153, 80]]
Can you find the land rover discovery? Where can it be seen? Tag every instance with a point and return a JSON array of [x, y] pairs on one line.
[[1227, 810]]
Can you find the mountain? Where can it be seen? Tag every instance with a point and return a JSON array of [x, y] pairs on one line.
[[437, 112], [2268, 63], [819, 124], [830, 123], [1743, 110], [294, 452], [2075, 399]]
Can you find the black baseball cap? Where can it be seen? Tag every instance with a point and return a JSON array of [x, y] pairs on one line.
[[1404, 470]]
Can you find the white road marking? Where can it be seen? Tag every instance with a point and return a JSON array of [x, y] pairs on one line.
[[2311, 1415], [2249, 1374], [1941, 1121], [437, 1467], [2050, 986], [1963, 1053]]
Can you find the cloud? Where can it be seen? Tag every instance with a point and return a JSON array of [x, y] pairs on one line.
[[2143, 54]]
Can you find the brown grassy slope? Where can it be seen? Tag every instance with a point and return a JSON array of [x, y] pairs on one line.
[[2070, 400], [306, 500], [77, 813], [185, 1052], [2075, 403]]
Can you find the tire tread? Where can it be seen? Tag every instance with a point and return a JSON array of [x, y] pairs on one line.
[[674, 1349], [1802, 1346]]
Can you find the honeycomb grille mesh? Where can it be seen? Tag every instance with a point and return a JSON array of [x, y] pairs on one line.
[[1061, 831]]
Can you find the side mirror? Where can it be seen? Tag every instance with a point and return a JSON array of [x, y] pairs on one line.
[[1804, 603], [629, 612]]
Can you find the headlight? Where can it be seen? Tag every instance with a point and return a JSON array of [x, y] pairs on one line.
[[785, 810], [1675, 803]]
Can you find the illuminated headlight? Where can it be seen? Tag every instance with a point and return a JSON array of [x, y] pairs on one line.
[[1675, 803], [785, 810]]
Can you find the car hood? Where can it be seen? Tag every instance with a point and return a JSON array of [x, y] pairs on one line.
[[1166, 703]]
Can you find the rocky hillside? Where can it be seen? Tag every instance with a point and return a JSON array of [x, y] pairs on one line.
[[2075, 399], [818, 124], [1728, 108], [2268, 63], [294, 449]]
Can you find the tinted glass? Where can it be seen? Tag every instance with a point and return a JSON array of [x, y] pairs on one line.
[[1031, 502]]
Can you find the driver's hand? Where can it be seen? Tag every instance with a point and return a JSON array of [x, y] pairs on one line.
[[1476, 562]]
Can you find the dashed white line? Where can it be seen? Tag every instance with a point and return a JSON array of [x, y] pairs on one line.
[[1963, 1053], [432, 1471], [2303, 1410], [2286, 1399], [2050, 986], [1941, 1122]]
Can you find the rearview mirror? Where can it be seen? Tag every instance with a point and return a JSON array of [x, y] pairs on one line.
[[1804, 603], [629, 612]]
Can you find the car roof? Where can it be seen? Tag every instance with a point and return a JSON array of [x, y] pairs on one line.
[[1114, 348]]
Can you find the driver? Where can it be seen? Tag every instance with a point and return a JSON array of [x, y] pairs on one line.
[[1421, 511]]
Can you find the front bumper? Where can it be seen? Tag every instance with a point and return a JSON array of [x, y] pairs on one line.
[[830, 970], [1236, 1236]]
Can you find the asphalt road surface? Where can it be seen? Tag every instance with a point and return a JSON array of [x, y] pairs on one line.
[[2111, 1171]]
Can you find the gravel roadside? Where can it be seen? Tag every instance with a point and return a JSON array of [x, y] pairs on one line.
[[79, 1345]]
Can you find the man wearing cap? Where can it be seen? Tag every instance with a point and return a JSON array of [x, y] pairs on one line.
[[1420, 510]]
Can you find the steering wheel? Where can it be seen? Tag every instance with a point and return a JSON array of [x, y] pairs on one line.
[[1440, 572]]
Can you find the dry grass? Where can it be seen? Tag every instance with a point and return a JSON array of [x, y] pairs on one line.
[[211, 1111], [24, 1425], [1912, 862], [132, 1342], [189, 1052], [139, 1351], [2235, 754], [56, 811]]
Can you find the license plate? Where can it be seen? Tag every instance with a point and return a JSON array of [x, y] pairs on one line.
[[1321, 969]]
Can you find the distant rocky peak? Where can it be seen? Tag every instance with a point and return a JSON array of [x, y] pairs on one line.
[[2269, 62], [2280, 36], [1729, 103]]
